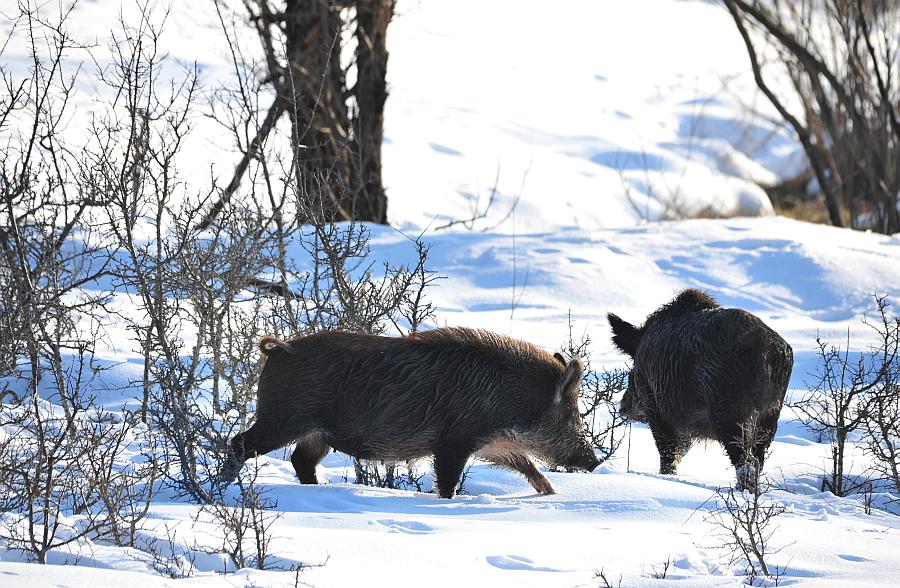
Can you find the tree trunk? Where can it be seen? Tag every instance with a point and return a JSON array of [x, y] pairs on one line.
[[338, 158], [372, 19]]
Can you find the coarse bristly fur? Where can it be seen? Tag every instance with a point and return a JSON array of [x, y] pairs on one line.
[[705, 372], [451, 393]]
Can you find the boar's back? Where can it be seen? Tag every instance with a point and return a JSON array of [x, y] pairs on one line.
[[711, 361]]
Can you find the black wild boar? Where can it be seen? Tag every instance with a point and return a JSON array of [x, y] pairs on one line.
[[451, 393], [705, 372]]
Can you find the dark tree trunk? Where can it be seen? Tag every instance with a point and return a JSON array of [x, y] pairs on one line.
[[372, 19], [314, 84], [336, 147], [338, 157]]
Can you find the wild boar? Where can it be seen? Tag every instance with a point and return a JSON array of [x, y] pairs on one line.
[[451, 393], [705, 372]]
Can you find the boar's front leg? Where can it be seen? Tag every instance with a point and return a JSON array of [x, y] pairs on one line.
[[766, 425], [670, 444], [746, 444], [738, 442], [522, 464], [449, 461]]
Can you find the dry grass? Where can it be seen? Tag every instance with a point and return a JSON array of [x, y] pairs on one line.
[[811, 211]]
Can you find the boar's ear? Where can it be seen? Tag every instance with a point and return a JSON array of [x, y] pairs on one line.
[[569, 382], [558, 357], [625, 335]]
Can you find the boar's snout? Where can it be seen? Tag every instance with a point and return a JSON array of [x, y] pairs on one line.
[[587, 460], [630, 408], [583, 458], [626, 408]]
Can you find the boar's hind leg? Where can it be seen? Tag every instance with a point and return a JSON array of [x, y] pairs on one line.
[[671, 447], [755, 440], [309, 452], [746, 444], [449, 462], [523, 464], [766, 427]]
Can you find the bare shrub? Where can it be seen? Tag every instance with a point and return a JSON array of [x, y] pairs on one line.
[[125, 484], [600, 576], [69, 477], [405, 476], [197, 315], [167, 556], [882, 407], [832, 408], [855, 393], [60, 453], [43, 486], [201, 402], [479, 212], [745, 529], [599, 397], [335, 284], [839, 59], [397, 476], [243, 524], [660, 573], [744, 523]]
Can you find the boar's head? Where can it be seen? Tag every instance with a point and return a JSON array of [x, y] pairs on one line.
[[632, 408], [627, 337], [562, 439]]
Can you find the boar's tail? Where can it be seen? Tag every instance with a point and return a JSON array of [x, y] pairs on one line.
[[269, 344]]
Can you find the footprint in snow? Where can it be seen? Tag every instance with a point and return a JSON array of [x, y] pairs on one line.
[[854, 558], [517, 562], [409, 527]]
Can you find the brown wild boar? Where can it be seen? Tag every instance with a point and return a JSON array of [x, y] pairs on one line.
[[705, 372], [451, 393]]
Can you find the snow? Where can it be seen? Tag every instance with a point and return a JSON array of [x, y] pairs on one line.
[[577, 108]]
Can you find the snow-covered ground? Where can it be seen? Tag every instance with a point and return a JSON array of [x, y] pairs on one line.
[[802, 279], [579, 106]]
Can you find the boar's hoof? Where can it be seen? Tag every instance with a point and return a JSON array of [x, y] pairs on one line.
[[543, 486]]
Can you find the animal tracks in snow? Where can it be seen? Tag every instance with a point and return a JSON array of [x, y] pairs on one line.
[[408, 527], [853, 558], [519, 563]]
